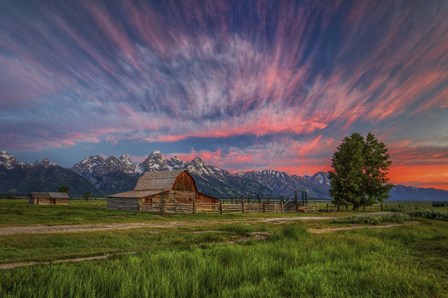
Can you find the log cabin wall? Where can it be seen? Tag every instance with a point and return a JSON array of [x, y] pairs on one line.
[[182, 196], [61, 201], [43, 201]]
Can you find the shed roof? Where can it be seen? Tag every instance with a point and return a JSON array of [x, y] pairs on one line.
[[157, 180], [50, 195]]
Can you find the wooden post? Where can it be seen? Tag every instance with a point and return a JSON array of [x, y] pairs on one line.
[[381, 206], [162, 204], [258, 198], [140, 205], [220, 206], [364, 207], [338, 207], [282, 206], [296, 201], [264, 207], [328, 210], [194, 203], [242, 206]]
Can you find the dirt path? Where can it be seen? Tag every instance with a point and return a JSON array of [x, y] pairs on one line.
[[42, 229], [298, 218], [28, 264], [331, 230]]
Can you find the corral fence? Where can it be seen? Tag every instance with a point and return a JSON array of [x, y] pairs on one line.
[[219, 207], [227, 206]]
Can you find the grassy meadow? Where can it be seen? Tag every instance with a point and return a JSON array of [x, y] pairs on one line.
[[235, 255]]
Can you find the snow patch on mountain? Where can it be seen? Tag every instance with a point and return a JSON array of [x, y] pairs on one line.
[[8, 161]]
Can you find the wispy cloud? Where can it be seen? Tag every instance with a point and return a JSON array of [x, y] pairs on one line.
[[170, 71]]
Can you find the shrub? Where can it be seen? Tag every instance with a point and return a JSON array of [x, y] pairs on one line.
[[429, 215], [373, 220]]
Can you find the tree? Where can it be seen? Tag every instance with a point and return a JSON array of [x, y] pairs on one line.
[[87, 196], [63, 189], [359, 171]]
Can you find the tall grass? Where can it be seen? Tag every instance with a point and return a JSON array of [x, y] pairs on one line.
[[291, 263]]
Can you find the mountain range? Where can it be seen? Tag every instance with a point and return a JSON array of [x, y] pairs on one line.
[[101, 176]]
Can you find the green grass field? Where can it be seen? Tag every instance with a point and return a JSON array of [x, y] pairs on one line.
[[222, 256]]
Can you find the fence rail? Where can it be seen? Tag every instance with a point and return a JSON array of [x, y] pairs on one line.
[[242, 206]]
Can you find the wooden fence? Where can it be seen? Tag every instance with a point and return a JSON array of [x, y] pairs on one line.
[[220, 207], [242, 206]]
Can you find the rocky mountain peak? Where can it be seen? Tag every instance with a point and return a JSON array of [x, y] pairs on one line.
[[154, 162], [47, 163], [8, 161], [320, 178]]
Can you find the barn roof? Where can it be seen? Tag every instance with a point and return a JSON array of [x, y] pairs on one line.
[[135, 194], [50, 195], [157, 180]]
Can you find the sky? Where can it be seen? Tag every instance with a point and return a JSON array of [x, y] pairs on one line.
[[245, 85]]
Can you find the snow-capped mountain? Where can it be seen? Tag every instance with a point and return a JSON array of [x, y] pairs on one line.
[[9, 162], [45, 163], [155, 162], [94, 165], [283, 184], [109, 174], [97, 174], [20, 178], [199, 167], [221, 183], [320, 178]]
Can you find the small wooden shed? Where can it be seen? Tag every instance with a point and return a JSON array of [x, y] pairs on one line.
[[155, 187], [48, 198]]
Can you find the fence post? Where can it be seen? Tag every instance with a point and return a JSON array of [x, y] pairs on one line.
[[194, 204], [381, 206], [220, 206], [364, 207], [162, 204], [296, 201], [282, 206], [338, 207], [242, 206], [264, 207], [328, 210]]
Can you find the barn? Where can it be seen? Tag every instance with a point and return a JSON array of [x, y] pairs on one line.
[[48, 198], [155, 188]]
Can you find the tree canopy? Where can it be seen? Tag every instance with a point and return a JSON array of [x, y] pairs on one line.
[[64, 189], [359, 174]]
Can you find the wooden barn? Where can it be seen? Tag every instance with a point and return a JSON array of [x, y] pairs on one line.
[[48, 198], [154, 189]]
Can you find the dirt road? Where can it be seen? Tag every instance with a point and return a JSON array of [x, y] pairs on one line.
[[42, 229]]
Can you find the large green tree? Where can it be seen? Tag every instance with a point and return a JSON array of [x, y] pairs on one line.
[[359, 171]]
